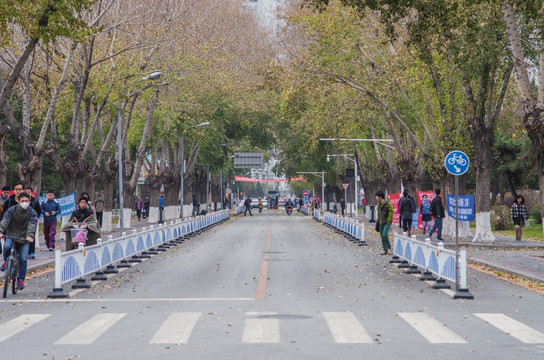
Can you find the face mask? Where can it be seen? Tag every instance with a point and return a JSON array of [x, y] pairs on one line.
[[24, 205]]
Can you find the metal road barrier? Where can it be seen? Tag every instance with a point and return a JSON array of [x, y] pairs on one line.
[[304, 210], [317, 215], [78, 263], [423, 257], [239, 209], [349, 227]]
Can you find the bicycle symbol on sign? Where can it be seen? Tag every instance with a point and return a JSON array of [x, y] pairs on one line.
[[457, 158]]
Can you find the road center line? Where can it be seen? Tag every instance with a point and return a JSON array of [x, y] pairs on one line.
[[263, 276]]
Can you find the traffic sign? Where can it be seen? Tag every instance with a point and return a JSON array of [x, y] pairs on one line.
[[305, 193], [456, 162], [345, 186]]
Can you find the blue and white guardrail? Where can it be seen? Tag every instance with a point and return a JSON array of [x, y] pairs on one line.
[[431, 258], [239, 209], [348, 226], [77, 263]]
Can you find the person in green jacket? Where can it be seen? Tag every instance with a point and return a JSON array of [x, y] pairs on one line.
[[385, 217]]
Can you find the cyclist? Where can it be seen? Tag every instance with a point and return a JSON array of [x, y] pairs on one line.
[[19, 226]]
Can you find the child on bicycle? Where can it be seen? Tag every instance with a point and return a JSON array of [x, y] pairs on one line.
[[19, 226]]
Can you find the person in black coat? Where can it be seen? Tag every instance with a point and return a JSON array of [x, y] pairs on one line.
[[437, 209], [406, 209]]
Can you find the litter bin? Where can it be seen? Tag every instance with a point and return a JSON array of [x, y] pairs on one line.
[[372, 213]]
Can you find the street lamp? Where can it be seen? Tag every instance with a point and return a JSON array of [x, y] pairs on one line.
[[321, 174], [352, 158], [183, 165], [224, 146], [153, 76]]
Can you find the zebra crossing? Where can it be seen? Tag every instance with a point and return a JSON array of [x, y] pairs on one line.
[[264, 328]]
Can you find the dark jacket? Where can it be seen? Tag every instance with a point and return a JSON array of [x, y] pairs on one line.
[[385, 212], [99, 206], [437, 209], [79, 214], [49, 207], [247, 203], [406, 208], [19, 223]]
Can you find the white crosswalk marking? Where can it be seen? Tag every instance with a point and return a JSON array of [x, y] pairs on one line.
[[346, 329], [520, 331], [23, 322], [261, 331], [176, 329], [431, 329], [91, 329]]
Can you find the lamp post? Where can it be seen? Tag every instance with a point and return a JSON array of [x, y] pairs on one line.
[[321, 174], [183, 165], [153, 76], [352, 158], [224, 146]]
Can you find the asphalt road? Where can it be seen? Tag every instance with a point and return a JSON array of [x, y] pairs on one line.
[[272, 287]]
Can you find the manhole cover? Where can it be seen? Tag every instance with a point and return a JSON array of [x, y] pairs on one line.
[[284, 317]]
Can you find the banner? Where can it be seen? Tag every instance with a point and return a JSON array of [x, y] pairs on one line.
[[465, 205], [67, 204], [246, 179], [395, 199], [430, 196]]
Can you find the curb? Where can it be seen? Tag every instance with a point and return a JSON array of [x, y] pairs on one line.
[[510, 269]]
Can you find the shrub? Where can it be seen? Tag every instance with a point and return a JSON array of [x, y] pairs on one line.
[[500, 217], [536, 215]]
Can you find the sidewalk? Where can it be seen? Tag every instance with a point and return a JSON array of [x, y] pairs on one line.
[[522, 258]]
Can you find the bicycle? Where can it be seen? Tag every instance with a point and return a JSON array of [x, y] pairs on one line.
[[12, 270], [457, 159]]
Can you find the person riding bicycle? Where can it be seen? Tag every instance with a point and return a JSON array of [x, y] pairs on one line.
[[19, 225]]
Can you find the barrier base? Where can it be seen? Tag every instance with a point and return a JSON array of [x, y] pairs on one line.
[[362, 243], [441, 284], [123, 264], [152, 252], [403, 265], [413, 270], [136, 259], [395, 260], [143, 255], [160, 248], [463, 294], [110, 269], [81, 284], [427, 275], [58, 293], [99, 275]]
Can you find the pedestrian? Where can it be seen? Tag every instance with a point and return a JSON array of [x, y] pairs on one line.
[[318, 202], [300, 203], [425, 211], [35, 204], [50, 209], [161, 208], [343, 206], [196, 206], [4, 197], [247, 204], [385, 217], [406, 209], [13, 200], [19, 228], [146, 207], [99, 209], [138, 206], [437, 210], [82, 217], [518, 213]]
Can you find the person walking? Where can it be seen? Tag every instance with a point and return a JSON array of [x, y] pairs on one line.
[[35, 204], [13, 200], [138, 206], [161, 208], [4, 197], [343, 206], [19, 228], [385, 217], [425, 211], [247, 204], [437, 210], [518, 213], [196, 206], [406, 209], [145, 213], [99, 207], [50, 209]]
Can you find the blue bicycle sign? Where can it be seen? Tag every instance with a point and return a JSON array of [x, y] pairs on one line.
[[456, 162]]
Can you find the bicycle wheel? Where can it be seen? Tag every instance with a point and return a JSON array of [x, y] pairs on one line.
[[7, 277], [15, 272]]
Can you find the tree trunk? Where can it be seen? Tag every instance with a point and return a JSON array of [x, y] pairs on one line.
[[4, 130], [482, 164]]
